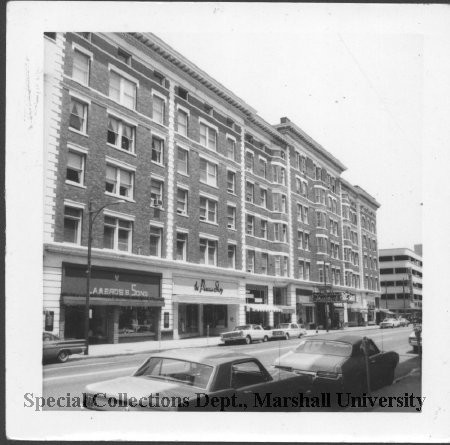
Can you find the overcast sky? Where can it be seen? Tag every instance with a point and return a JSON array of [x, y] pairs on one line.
[[356, 90]]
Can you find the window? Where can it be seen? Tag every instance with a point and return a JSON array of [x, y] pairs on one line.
[[250, 225], [306, 215], [320, 219], [122, 90], [283, 204], [301, 269], [263, 195], [299, 213], [117, 234], [284, 266], [156, 241], [320, 196], [208, 210], [123, 56], [72, 225], [249, 192], [284, 233], [81, 63], [264, 263], [156, 193], [321, 244], [119, 182], [300, 240], [231, 149], [251, 261], [208, 136], [78, 116], [182, 201], [277, 265], [263, 229], [276, 232], [231, 181], [249, 161], [182, 122], [307, 270], [75, 167], [276, 202], [181, 246], [121, 134], [159, 106], [157, 150], [231, 256], [231, 217], [181, 92], [208, 172], [263, 167], [306, 241], [182, 161], [208, 252]]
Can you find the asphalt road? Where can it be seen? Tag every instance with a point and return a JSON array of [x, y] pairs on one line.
[[70, 378]]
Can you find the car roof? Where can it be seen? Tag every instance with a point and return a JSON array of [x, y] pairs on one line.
[[344, 338], [208, 356]]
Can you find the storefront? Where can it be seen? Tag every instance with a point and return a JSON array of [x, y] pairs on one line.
[[204, 306], [306, 309], [256, 305], [125, 305]]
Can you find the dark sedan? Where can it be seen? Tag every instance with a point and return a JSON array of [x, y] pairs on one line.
[[60, 350], [338, 363], [190, 379]]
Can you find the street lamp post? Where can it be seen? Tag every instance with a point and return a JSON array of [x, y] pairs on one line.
[[92, 215]]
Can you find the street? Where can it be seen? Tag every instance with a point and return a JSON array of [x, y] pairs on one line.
[[71, 377]]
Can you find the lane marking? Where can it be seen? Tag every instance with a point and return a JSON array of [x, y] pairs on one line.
[[109, 371]]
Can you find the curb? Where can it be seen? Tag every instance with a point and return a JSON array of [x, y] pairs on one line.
[[169, 348]]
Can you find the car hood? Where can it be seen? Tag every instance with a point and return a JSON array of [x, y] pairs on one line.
[[138, 387], [310, 362]]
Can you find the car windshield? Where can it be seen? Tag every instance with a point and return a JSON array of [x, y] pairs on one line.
[[182, 371], [325, 347], [245, 327], [284, 326]]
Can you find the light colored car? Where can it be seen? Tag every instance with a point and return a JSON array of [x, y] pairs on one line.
[[288, 330], [403, 321], [389, 323], [247, 333], [415, 338]]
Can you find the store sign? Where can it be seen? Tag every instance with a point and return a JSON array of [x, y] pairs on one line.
[[332, 297], [202, 287], [110, 284]]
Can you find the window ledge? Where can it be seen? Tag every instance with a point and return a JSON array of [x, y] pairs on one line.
[[78, 132], [132, 153], [209, 185], [157, 207], [185, 215], [159, 164], [75, 184], [121, 104], [186, 175], [119, 197], [209, 222], [80, 83]]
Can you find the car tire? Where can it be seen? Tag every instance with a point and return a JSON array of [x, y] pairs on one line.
[[248, 340], [286, 336], [265, 338], [62, 356]]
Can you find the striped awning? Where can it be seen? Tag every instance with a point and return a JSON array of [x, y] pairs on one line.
[[263, 308], [103, 301]]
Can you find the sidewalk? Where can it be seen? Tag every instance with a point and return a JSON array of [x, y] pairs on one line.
[[110, 350]]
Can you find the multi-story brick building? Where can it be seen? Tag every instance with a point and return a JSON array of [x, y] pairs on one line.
[[204, 215], [401, 280]]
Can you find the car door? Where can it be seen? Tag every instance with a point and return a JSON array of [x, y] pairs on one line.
[[376, 365], [258, 332], [295, 330], [248, 378]]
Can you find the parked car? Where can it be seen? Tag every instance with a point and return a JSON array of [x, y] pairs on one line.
[[188, 379], [389, 323], [60, 350], [338, 363], [246, 333], [403, 321], [415, 338], [288, 330]]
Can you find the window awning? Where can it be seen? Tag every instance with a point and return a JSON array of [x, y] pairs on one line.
[[287, 309], [205, 299], [103, 301], [263, 308]]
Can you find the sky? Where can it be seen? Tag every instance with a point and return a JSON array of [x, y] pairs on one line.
[[359, 94]]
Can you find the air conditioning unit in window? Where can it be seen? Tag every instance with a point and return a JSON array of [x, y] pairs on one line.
[[157, 203]]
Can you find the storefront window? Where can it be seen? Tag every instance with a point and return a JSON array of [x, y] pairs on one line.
[[188, 319], [138, 320]]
